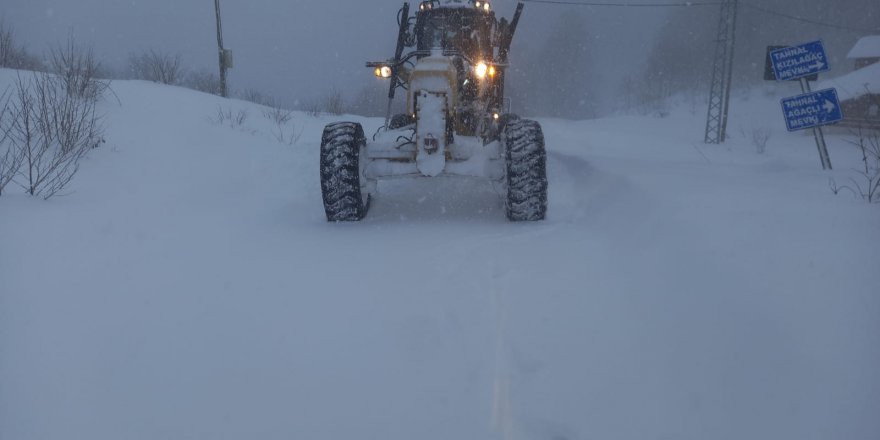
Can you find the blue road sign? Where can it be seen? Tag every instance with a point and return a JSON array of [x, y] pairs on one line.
[[812, 109], [799, 61]]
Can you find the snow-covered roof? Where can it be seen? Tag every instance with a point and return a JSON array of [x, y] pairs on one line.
[[866, 47], [856, 83]]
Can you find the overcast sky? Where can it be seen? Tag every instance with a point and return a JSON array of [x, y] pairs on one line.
[[292, 48]]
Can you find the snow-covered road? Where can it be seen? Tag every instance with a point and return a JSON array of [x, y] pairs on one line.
[[190, 288]]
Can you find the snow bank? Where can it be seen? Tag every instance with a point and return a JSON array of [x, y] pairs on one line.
[[189, 287]]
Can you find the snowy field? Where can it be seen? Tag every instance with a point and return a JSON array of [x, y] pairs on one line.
[[189, 287]]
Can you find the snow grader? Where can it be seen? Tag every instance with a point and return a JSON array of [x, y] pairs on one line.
[[451, 59]]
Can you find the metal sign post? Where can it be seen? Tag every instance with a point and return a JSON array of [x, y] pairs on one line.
[[820, 108], [808, 110]]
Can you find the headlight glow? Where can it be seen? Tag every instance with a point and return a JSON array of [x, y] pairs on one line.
[[383, 72], [492, 71], [481, 69]]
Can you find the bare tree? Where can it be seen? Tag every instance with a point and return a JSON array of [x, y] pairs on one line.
[[157, 67], [51, 130]]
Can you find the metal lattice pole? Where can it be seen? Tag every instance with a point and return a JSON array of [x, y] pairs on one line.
[[722, 74]]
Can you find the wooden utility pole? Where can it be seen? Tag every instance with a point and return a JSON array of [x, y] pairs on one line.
[[221, 52]]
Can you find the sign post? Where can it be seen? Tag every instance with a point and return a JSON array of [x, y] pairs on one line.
[[809, 110]]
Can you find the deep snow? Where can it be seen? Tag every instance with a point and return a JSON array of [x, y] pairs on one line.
[[190, 288]]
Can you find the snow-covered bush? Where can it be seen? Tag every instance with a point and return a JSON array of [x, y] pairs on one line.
[[157, 67], [47, 131]]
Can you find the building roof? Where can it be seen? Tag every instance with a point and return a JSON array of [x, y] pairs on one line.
[[855, 84], [866, 47]]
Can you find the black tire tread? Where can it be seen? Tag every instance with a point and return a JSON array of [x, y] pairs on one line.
[[340, 173], [526, 160]]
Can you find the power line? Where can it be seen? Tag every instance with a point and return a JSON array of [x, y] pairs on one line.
[[703, 3], [806, 20], [624, 5]]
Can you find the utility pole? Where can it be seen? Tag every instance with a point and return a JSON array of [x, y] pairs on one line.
[[221, 51], [722, 74]]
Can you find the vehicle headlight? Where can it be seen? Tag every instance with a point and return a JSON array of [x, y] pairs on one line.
[[481, 69], [383, 72]]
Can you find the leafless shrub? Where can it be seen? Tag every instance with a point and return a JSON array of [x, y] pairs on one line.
[[867, 142], [257, 97], [759, 136], [330, 103], [10, 158], [230, 118], [14, 55], [51, 130], [837, 189], [9, 49], [278, 115], [203, 81], [288, 134], [285, 131], [645, 99], [157, 67], [312, 108], [333, 103], [78, 70]]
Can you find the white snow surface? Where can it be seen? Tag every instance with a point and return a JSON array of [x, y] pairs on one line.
[[856, 83], [866, 47], [189, 287]]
